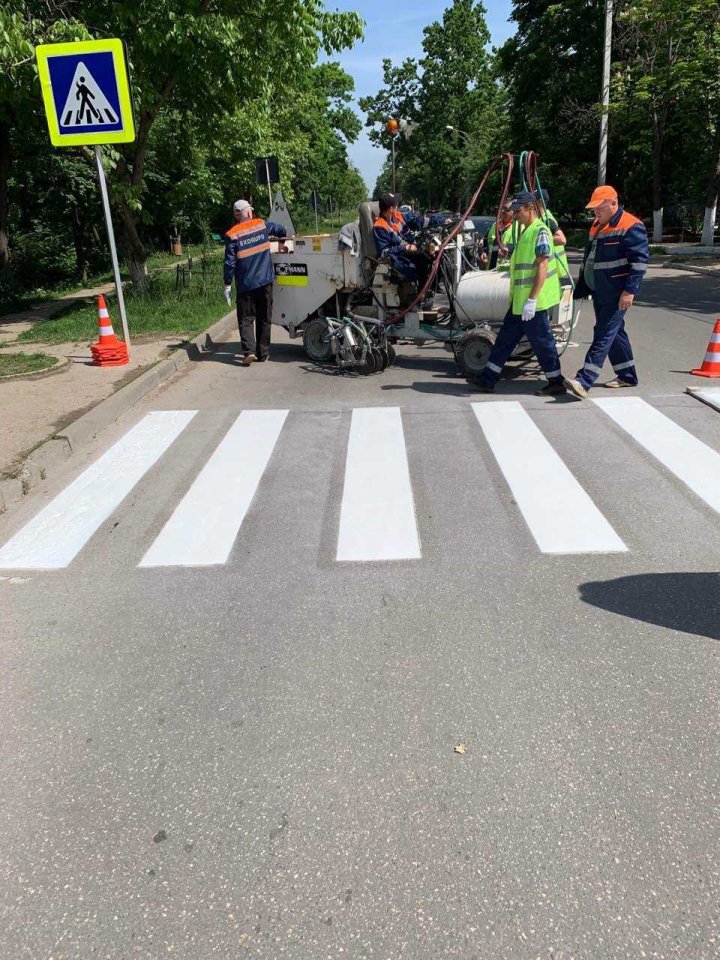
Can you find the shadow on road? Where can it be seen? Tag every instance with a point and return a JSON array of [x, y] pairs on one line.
[[689, 294], [689, 602], [232, 353]]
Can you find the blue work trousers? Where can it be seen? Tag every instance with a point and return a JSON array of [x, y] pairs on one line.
[[610, 341], [512, 331]]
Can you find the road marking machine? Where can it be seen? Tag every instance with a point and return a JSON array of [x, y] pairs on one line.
[[350, 306]]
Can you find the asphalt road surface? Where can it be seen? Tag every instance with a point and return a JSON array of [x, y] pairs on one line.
[[274, 601]]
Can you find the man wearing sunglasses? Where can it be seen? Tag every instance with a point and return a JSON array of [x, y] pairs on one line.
[[615, 261]]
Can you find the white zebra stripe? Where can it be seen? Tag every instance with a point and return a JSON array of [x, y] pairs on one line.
[[689, 459], [58, 533], [203, 528], [377, 515], [566, 521]]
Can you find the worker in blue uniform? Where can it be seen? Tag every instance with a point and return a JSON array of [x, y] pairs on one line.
[[393, 233], [389, 231], [247, 259], [614, 264]]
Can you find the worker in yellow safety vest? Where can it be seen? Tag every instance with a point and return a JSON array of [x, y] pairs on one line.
[[534, 290], [559, 238]]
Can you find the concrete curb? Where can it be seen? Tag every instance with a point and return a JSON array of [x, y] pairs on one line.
[[60, 447], [691, 268]]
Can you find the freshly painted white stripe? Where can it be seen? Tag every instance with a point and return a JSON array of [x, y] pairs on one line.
[[57, 534], [711, 397], [377, 516], [203, 528], [692, 461], [561, 516]]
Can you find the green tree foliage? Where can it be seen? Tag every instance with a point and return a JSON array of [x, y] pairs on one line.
[[664, 145], [199, 57], [215, 83], [551, 70], [453, 84], [22, 27], [665, 84]]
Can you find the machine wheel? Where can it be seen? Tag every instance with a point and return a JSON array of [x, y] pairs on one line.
[[392, 355], [384, 359], [316, 346], [367, 366], [472, 352]]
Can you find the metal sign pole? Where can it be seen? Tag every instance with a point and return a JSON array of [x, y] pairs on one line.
[[267, 175], [111, 241]]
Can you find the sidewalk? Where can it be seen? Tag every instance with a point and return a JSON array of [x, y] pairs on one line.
[[705, 268], [37, 407], [34, 408]]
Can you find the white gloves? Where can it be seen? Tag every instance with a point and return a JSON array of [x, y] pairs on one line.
[[528, 311], [228, 292]]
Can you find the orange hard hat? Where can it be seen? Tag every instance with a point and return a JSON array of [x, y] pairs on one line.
[[599, 194]]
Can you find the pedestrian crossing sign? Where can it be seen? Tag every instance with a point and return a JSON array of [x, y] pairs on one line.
[[86, 92]]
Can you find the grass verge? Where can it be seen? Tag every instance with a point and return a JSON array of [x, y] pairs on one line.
[[12, 303], [12, 364], [166, 309]]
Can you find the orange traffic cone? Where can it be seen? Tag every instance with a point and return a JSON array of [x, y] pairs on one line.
[[711, 364], [108, 351]]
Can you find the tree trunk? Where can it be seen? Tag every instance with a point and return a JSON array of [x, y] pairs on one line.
[[711, 193], [4, 197], [133, 248], [79, 244]]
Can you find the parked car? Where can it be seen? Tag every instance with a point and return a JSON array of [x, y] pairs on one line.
[[482, 225]]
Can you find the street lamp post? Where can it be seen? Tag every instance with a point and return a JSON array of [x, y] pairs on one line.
[[393, 128], [461, 133], [605, 94]]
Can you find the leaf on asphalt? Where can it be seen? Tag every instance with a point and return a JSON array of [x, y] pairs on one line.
[[459, 748]]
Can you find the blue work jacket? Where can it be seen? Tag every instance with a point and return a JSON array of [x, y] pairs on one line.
[[621, 258], [247, 253]]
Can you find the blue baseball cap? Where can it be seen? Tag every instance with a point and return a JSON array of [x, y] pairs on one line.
[[522, 199]]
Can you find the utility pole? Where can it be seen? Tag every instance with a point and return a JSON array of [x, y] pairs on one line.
[[393, 164], [605, 94], [393, 128]]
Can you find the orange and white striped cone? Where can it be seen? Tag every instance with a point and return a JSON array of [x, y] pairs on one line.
[[108, 351], [711, 364]]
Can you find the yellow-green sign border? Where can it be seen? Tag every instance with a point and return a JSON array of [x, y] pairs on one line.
[[116, 48]]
